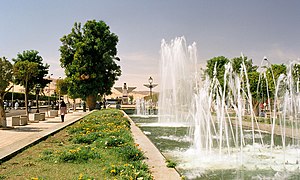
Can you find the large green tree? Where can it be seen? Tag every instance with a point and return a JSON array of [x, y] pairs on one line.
[[272, 74], [24, 72], [37, 81], [6, 71], [218, 63], [43, 69], [88, 55], [29, 72], [296, 76], [62, 86], [236, 62]]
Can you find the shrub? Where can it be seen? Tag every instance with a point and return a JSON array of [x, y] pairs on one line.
[[130, 171], [84, 177], [113, 141], [79, 154], [85, 138], [47, 155], [130, 153], [170, 163]]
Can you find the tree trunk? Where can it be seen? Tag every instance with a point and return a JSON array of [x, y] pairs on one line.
[[91, 102], [74, 105], [256, 107], [37, 101], [3, 122], [26, 105]]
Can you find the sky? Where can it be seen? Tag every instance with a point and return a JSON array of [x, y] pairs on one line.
[[219, 28]]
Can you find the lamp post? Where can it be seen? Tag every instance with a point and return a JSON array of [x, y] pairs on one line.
[[270, 65], [12, 96], [49, 89], [58, 93], [37, 92], [150, 86], [12, 93]]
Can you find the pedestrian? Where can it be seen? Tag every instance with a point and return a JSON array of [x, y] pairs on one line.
[[16, 105], [29, 106], [52, 105], [63, 111], [104, 103], [9, 105], [5, 105]]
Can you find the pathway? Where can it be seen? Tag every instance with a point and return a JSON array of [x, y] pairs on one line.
[[14, 139]]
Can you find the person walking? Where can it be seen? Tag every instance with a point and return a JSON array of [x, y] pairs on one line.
[[29, 106], [16, 105], [63, 111]]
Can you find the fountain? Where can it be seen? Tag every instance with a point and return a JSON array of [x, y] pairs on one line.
[[140, 106], [225, 131], [177, 69], [226, 134]]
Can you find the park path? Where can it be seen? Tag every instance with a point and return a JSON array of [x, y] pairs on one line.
[[15, 138]]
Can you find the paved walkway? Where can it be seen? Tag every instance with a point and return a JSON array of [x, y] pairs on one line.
[[14, 139]]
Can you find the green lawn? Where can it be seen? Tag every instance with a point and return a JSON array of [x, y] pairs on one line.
[[99, 146]]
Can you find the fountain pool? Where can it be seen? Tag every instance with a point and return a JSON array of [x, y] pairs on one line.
[[175, 144], [213, 129]]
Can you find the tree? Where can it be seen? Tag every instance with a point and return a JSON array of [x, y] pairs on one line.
[[131, 99], [253, 75], [237, 62], [62, 86], [37, 81], [219, 62], [272, 74], [6, 71], [24, 73], [62, 89], [296, 76], [88, 55]]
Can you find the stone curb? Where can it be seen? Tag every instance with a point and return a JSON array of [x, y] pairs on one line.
[[155, 160]]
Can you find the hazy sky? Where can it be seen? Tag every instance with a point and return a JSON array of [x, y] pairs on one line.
[[257, 28]]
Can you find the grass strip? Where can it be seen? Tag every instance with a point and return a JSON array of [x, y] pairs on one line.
[[99, 146]]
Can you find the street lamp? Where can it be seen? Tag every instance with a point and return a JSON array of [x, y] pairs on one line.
[[12, 96], [150, 86], [58, 93], [37, 92], [12, 93], [270, 65], [49, 89]]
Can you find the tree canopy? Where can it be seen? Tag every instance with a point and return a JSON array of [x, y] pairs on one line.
[[262, 83], [6, 69], [88, 55], [62, 86], [42, 69]]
